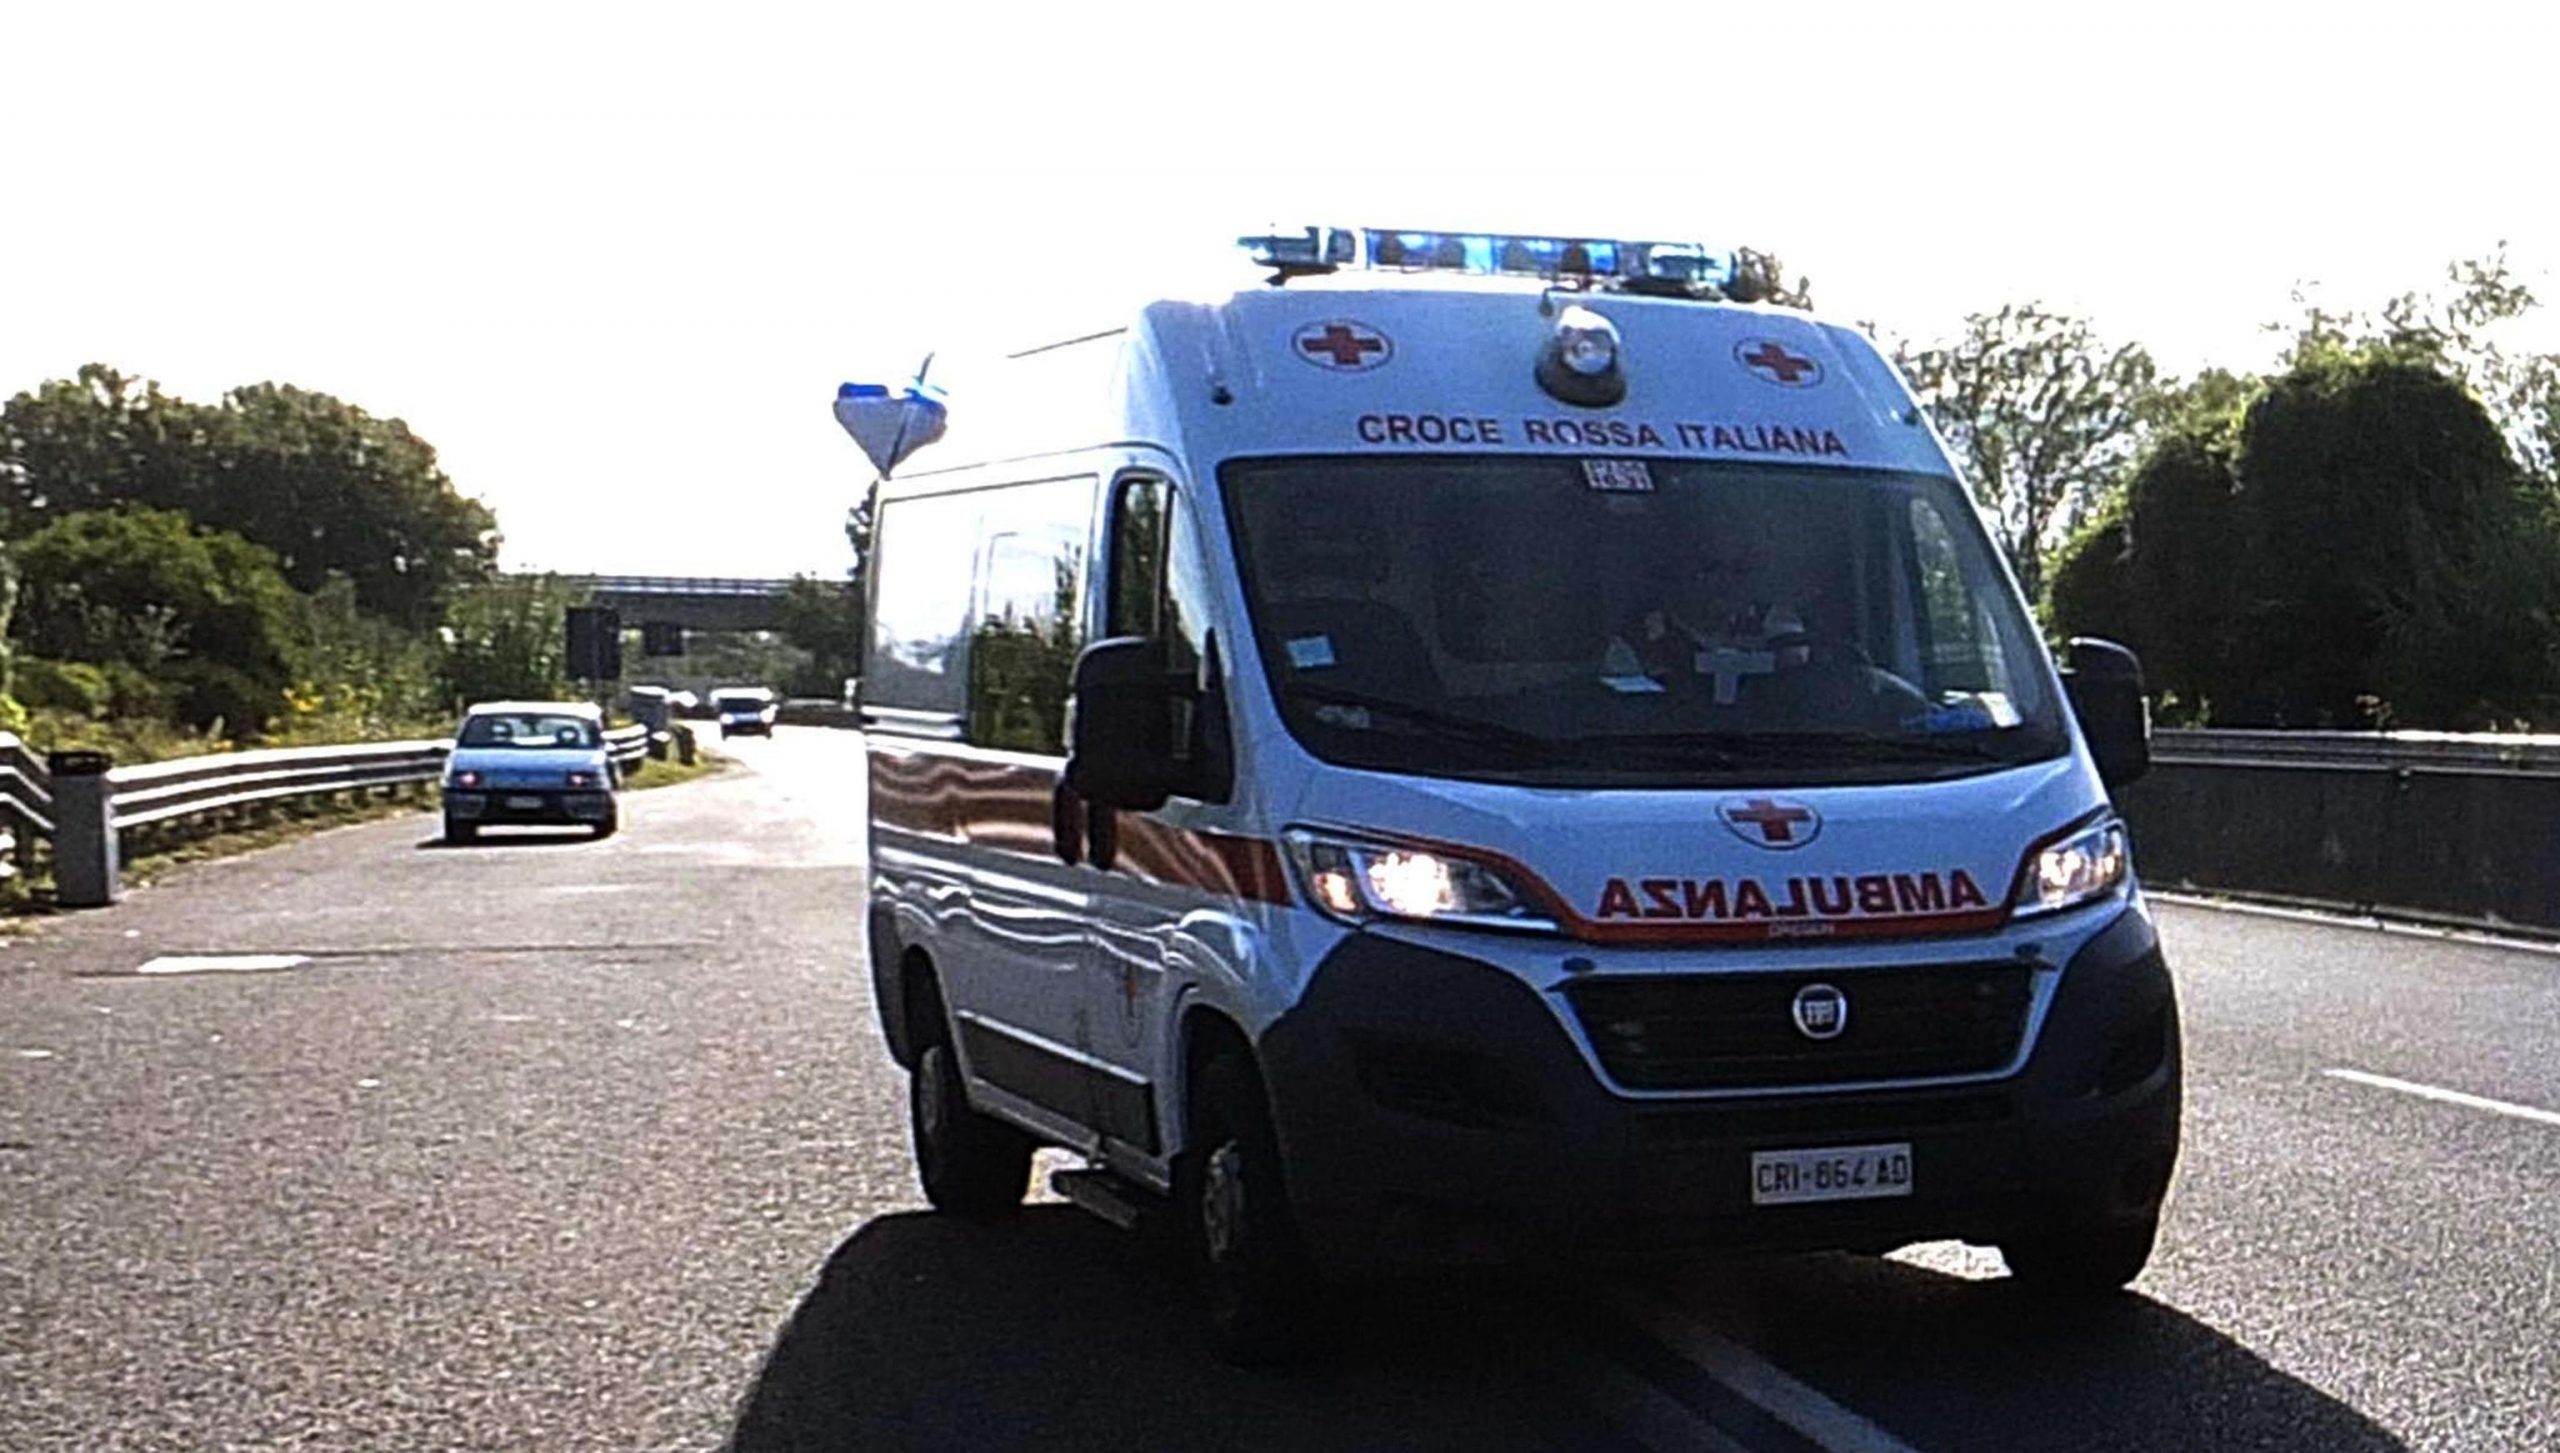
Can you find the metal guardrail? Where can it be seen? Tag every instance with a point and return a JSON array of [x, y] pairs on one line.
[[155, 794], [26, 789], [159, 792], [26, 806], [2434, 827], [2360, 751], [630, 747]]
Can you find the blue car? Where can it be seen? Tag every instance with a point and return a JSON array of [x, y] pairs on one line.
[[539, 762]]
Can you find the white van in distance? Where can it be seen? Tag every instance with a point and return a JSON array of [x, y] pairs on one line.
[[1494, 749]]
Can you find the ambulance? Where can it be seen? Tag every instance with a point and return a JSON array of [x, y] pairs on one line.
[[1488, 749]]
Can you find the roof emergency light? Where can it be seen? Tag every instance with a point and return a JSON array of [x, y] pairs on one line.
[[1579, 365], [1660, 265]]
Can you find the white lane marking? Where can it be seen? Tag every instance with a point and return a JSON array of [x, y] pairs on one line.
[[222, 963], [2339, 918], [1653, 1417], [1757, 1380], [2449, 1097], [572, 890], [1959, 1259], [35, 1054]]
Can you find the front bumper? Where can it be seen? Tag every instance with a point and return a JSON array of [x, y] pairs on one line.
[[551, 805], [1433, 1110]]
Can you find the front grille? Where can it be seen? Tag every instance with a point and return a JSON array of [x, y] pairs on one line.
[[1737, 1031]]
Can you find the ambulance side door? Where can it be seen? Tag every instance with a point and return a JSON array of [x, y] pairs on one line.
[[1171, 870], [1018, 947]]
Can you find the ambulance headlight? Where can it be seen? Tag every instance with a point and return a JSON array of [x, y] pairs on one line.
[[1357, 881], [2087, 865], [1580, 363]]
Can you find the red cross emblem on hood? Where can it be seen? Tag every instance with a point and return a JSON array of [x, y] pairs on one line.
[[1347, 346], [1770, 360], [1771, 822]]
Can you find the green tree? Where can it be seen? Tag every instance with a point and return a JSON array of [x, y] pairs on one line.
[[2361, 549], [363, 677], [824, 619], [1761, 277], [330, 489], [13, 718], [94, 441], [2042, 416], [204, 614], [2158, 568], [506, 640], [2462, 332], [337, 492]]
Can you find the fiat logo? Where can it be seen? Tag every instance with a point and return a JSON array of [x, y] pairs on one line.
[[1821, 1011]]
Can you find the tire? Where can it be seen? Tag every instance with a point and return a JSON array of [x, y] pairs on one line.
[[459, 833], [970, 1164], [1257, 1284], [2082, 1259], [612, 824]]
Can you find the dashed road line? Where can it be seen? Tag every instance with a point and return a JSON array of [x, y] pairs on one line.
[[1651, 1417], [1804, 1412], [222, 963], [2449, 1097]]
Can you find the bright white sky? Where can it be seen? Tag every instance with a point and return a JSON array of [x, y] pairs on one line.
[[612, 261]]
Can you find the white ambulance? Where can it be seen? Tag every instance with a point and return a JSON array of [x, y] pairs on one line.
[[1489, 748]]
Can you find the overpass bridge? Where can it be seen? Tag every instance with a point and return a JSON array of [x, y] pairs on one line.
[[695, 602]]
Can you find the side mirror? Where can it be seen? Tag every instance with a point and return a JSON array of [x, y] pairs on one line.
[[1120, 745], [2105, 683]]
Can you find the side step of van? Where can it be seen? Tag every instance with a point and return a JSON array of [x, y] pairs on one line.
[[1107, 1195]]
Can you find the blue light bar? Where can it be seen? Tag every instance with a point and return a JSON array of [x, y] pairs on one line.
[[1503, 254]]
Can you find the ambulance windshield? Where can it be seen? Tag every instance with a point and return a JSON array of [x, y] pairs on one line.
[[1605, 622]]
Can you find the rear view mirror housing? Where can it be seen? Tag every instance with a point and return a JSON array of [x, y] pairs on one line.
[[1120, 740], [2104, 681]]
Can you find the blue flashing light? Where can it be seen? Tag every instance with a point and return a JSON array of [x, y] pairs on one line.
[[891, 421], [1316, 249], [1328, 249]]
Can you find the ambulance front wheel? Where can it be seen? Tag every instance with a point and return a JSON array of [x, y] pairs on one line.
[[970, 1164], [1255, 1277], [2085, 1259]]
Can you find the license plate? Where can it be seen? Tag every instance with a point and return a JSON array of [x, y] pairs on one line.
[[524, 804], [1836, 1173]]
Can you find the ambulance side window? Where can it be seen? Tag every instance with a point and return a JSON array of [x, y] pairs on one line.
[[1140, 515], [923, 557], [1157, 588], [1024, 634], [1156, 582]]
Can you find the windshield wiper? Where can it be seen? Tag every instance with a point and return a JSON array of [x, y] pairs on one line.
[[1453, 724]]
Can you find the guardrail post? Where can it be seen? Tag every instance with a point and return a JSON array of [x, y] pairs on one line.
[[88, 870]]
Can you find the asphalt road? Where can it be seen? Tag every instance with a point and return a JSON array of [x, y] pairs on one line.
[[551, 1144]]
